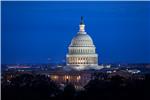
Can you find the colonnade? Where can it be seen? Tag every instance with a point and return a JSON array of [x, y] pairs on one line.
[[82, 60]]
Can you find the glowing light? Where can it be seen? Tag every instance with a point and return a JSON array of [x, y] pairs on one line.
[[78, 78], [67, 77]]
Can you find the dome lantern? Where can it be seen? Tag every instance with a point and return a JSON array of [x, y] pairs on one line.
[[82, 27]]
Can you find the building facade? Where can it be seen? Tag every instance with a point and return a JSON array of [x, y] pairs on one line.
[[82, 51], [78, 78]]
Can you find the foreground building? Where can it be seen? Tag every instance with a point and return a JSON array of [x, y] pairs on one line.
[[82, 51]]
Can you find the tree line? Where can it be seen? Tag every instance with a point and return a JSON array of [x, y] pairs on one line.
[[41, 87]]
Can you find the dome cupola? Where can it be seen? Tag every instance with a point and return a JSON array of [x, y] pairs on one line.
[[82, 39]]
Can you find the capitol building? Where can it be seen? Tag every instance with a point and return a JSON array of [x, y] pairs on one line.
[[82, 51], [80, 59]]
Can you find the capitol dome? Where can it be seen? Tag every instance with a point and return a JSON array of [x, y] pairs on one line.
[[81, 39], [81, 51]]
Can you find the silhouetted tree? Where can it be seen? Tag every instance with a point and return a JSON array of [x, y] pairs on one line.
[[41, 87], [69, 91], [30, 87]]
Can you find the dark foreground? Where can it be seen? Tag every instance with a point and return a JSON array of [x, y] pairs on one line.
[[40, 87]]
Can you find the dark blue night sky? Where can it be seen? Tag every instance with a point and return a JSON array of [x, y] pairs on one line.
[[32, 32]]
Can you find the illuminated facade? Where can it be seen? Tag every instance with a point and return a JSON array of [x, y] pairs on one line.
[[77, 78], [82, 52]]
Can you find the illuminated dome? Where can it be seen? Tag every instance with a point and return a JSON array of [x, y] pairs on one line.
[[82, 40], [81, 51]]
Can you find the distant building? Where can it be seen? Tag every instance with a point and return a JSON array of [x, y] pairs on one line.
[[134, 71], [78, 78], [19, 67], [82, 54]]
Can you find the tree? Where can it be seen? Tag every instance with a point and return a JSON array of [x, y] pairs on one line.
[[30, 87], [69, 91]]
